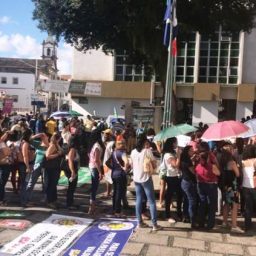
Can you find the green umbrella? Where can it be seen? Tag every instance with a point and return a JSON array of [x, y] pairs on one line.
[[74, 113], [174, 131]]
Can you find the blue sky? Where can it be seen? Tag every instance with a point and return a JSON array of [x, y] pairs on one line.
[[20, 37]]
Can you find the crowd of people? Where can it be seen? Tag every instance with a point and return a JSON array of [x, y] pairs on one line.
[[204, 179]]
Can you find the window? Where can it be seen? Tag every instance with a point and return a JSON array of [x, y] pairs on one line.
[[128, 72], [48, 52], [3, 80], [15, 80], [186, 61], [15, 98], [219, 57]]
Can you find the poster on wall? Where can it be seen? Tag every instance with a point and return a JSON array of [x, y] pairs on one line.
[[8, 105], [93, 89]]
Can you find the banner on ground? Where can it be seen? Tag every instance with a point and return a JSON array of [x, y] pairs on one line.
[[15, 224], [50, 237], [84, 177], [105, 237]]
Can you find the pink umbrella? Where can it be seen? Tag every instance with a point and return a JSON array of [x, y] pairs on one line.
[[224, 130]]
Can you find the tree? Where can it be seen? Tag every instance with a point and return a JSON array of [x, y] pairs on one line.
[[137, 25]]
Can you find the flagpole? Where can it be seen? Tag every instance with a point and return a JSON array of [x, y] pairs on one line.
[[169, 76]]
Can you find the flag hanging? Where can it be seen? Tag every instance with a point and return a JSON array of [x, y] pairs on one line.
[[170, 19]]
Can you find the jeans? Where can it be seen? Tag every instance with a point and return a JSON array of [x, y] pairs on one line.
[[95, 184], [71, 185], [32, 180], [148, 187], [119, 189], [189, 188], [53, 176], [4, 176], [249, 195], [24, 179], [173, 187], [208, 194]]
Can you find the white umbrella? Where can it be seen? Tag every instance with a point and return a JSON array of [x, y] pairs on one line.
[[252, 128]]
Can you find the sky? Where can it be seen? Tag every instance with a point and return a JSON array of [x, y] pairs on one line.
[[20, 37]]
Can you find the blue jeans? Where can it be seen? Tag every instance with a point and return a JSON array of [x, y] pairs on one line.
[[119, 189], [32, 180], [24, 179], [208, 194], [189, 189], [4, 175], [95, 184], [148, 187]]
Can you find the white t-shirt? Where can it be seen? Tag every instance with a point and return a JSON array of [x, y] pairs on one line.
[[108, 151], [92, 159], [137, 161], [171, 171], [248, 172]]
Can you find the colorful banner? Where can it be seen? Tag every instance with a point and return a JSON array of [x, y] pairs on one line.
[[15, 224], [51, 237], [84, 177], [105, 237]]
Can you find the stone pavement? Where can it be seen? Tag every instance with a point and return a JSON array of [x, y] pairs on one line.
[[175, 239]]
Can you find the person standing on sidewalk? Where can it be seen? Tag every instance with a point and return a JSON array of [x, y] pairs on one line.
[[249, 184], [207, 178], [143, 180]]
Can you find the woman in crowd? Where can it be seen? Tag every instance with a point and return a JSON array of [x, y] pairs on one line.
[[188, 182], [207, 178], [229, 186], [71, 169], [143, 181], [249, 184], [173, 176], [6, 165], [26, 161], [120, 165], [40, 143], [53, 155], [96, 149]]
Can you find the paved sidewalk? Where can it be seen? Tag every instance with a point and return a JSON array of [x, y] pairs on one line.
[[175, 239]]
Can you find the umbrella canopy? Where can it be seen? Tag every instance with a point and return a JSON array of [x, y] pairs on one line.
[[60, 114], [252, 129], [174, 131], [74, 113], [224, 130]]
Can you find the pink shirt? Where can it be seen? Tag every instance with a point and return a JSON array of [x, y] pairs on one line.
[[205, 174]]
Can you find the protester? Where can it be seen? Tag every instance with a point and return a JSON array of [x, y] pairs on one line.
[[249, 184], [40, 143], [54, 155], [143, 181], [95, 164], [119, 167], [171, 157], [188, 183], [229, 186], [207, 178]]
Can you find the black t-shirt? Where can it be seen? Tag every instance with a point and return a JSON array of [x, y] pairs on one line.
[[186, 173]]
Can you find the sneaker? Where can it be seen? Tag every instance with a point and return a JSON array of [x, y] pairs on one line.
[[225, 225], [236, 230], [142, 225], [156, 227], [171, 220]]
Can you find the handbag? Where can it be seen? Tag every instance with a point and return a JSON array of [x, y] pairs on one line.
[[148, 165]]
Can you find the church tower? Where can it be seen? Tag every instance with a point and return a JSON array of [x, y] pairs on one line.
[[49, 50]]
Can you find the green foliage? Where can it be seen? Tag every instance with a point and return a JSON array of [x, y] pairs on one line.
[[137, 25]]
